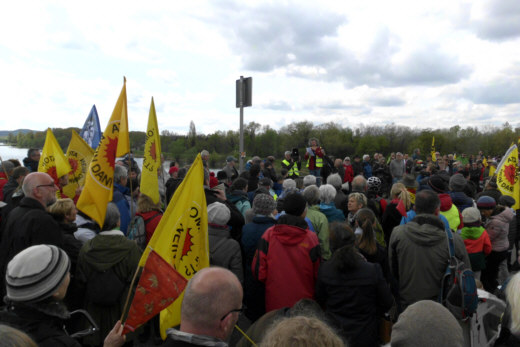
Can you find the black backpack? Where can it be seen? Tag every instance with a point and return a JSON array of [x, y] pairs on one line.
[[458, 288]]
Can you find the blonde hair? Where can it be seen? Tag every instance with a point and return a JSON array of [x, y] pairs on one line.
[[360, 198], [303, 332], [11, 337], [399, 191], [62, 208], [513, 299], [146, 204]]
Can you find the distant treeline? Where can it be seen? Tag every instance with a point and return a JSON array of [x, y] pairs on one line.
[[338, 141]]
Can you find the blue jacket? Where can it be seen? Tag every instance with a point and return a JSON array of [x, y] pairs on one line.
[[120, 199], [410, 215], [332, 213]]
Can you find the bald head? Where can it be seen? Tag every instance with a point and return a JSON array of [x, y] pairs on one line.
[[210, 295], [40, 186]]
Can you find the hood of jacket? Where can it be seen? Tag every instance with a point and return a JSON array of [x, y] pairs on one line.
[[105, 251], [290, 230], [446, 202], [504, 216], [426, 230]]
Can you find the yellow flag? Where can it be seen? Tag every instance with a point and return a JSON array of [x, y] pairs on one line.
[[484, 162], [79, 154], [123, 144], [507, 175], [52, 160], [181, 238], [99, 182], [152, 158], [434, 157]]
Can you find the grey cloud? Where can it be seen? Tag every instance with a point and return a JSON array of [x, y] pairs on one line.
[[495, 93], [277, 106], [501, 21], [386, 101], [302, 41]]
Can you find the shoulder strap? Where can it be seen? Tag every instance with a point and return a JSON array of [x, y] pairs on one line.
[[451, 247], [151, 219]]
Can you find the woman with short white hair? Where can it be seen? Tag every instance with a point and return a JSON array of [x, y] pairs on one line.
[[327, 206]]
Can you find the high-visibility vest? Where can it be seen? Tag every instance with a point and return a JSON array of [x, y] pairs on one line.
[[319, 161], [293, 170]]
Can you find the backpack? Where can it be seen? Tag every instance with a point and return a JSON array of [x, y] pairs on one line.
[[137, 230], [458, 288]]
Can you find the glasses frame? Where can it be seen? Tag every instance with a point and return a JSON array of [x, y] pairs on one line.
[[239, 310], [50, 185]]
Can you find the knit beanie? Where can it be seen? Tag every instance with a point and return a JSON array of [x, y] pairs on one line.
[[457, 183], [470, 215], [426, 323], [437, 184], [294, 204], [218, 213], [36, 273], [264, 204], [486, 203]]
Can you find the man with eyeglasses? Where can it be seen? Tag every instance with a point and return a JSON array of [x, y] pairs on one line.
[[29, 224], [210, 309]]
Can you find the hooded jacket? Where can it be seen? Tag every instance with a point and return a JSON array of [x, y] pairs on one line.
[[224, 251], [108, 250], [287, 261], [461, 200], [450, 211], [418, 255], [477, 244], [497, 227]]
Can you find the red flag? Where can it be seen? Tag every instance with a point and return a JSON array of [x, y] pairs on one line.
[[400, 206], [160, 284]]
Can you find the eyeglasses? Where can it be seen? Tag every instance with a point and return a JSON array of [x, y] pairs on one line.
[[50, 185], [239, 310]]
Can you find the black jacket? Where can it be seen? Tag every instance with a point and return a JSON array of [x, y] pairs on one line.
[[27, 225], [43, 322], [355, 300]]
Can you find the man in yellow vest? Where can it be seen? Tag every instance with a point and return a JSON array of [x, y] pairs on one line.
[[314, 155], [293, 167]]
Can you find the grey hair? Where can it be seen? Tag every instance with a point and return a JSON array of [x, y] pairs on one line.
[[327, 193], [289, 183], [335, 180], [204, 152], [7, 166], [309, 180], [312, 195], [359, 184], [111, 217], [120, 172], [287, 152], [314, 139]]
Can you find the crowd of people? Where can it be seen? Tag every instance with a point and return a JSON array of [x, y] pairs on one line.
[[314, 250]]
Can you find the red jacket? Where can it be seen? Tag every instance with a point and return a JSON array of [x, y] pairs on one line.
[[476, 239], [151, 220], [287, 261], [3, 181], [349, 173]]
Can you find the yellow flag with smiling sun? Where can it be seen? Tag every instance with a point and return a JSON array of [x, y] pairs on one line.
[[152, 158]]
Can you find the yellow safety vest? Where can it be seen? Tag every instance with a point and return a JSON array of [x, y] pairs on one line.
[[319, 161], [293, 170]]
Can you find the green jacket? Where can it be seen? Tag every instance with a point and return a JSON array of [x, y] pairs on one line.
[[108, 249], [321, 225]]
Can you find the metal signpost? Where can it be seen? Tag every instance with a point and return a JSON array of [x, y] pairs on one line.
[[244, 88]]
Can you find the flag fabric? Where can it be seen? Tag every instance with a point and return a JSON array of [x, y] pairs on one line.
[[79, 154], [99, 182], [181, 238], [152, 158], [91, 131], [434, 156], [484, 162], [160, 284], [123, 144], [52, 160], [508, 175]]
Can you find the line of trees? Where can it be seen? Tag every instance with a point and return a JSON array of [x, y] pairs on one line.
[[338, 141]]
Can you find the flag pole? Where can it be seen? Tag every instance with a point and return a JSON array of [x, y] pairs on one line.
[[123, 312]]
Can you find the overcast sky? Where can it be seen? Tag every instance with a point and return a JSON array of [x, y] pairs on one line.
[[430, 64]]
